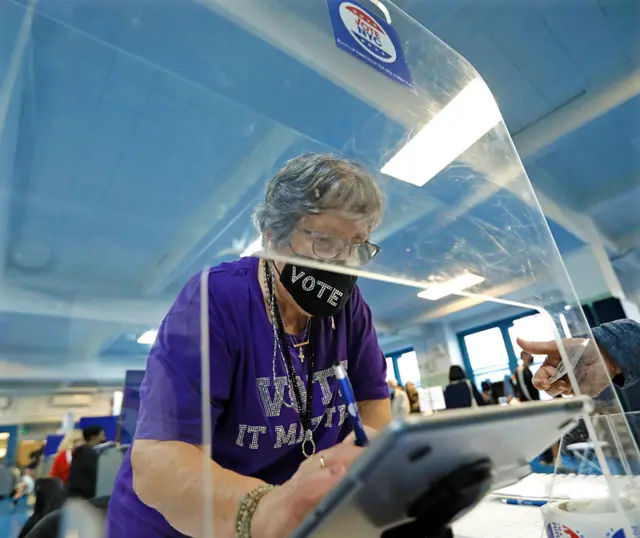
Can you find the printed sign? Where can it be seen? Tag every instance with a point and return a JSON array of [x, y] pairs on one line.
[[370, 39], [557, 530], [621, 534]]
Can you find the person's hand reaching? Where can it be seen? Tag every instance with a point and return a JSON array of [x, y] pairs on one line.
[[592, 375]]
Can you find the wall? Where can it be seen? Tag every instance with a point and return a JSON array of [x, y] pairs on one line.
[[436, 348], [587, 277], [631, 309], [33, 409], [25, 449]]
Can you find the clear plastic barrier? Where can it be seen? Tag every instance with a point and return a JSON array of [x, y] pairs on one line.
[[137, 140]]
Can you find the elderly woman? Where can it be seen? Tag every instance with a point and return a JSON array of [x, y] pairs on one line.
[[275, 329]]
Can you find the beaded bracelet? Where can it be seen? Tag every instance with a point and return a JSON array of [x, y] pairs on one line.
[[247, 508]]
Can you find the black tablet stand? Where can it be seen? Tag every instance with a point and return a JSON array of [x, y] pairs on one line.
[[434, 511]]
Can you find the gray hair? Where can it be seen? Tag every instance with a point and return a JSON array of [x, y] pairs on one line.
[[313, 183]]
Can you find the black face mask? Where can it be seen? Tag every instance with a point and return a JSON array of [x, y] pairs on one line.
[[319, 293]]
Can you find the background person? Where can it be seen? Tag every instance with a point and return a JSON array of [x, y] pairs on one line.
[[400, 405], [83, 472], [460, 392], [487, 393], [270, 325], [50, 496], [26, 484], [62, 462], [80, 520], [414, 397], [523, 379], [37, 455]]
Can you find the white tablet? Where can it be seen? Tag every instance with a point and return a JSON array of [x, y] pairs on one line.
[[409, 457]]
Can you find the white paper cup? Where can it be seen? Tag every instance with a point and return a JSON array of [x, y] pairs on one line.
[[591, 518]]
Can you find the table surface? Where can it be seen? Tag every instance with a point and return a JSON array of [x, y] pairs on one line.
[[494, 519]]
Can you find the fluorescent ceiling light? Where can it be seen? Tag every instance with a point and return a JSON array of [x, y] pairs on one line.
[[254, 247], [148, 337], [459, 283], [461, 123]]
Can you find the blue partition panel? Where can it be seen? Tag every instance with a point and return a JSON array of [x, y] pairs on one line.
[[53, 442], [110, 425]]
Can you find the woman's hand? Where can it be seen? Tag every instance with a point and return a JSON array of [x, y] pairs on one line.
[[283, 509], [592, 377]]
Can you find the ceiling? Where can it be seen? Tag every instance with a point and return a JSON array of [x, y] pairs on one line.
[[138, 136]]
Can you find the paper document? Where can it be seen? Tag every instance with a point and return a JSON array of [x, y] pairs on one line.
[[574, 356], [537, 487]]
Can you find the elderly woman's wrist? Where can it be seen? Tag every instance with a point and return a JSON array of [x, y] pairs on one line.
[[246, 512]]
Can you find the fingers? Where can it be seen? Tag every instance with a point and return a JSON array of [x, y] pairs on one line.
[[313, 481], [345, 453], [335, 459], [564, 387], [539, 348], [286, 506], [325, 462], [315, 485], [541, 380], [560, 387], [543, 375]]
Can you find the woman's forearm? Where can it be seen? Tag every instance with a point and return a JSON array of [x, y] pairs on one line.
[[168, 476], [375, 413]]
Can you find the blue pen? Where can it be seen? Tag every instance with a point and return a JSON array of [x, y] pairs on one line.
[[524, 502], [352, 405]]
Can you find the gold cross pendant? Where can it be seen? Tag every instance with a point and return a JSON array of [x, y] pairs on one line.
[[301, 352]]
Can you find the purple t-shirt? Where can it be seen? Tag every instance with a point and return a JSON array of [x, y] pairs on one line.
[[255, 433]]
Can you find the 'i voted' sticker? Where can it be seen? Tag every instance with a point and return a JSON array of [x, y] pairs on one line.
[[370, 39]]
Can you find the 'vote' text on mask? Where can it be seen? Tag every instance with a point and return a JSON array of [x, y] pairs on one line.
[[319, 293]]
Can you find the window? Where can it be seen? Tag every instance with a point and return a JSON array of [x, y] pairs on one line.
[[403, 367], [116, 403], [488, 356], [530, 328], [391, 372], [4, 442], [409, 368], [492, 352]]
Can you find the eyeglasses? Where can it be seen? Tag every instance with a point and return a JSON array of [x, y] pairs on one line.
[[329, 247]]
